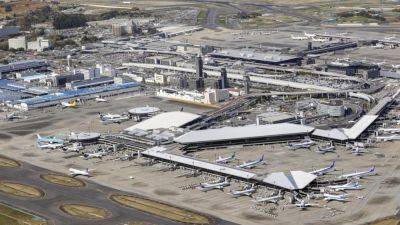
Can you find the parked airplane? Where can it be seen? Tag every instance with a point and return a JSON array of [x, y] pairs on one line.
[[369, 172], [12, 117], [310, 35], [75, 172], [340, 198], [226, 159], [388, 38], [378, 46], [325, 170], [303, 205], [50, 146], [389, 130], [49, 139], [307, 143], [76, 147], [326, 149], [247, 191], [251, 164], [388, 138], [357, 150], [347, 186], [113, 118], [220, 185], [71, 104], [94, 155], [319, 39], [396, 66], [273, 199], [298, 37], [99, 99]]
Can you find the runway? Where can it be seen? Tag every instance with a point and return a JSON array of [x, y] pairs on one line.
[[92, 194]]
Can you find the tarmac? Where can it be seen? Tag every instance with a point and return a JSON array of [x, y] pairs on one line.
[[91, 194]]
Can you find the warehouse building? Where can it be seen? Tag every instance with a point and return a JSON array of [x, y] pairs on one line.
[[95, 82], [36, 64]]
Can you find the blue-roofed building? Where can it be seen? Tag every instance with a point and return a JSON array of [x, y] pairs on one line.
[[11, 91], [54, 99]]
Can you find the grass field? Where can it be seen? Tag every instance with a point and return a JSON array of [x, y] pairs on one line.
[[11, 216], [21, 7], [84, 211], [63, 180], [20, 190], [160, 209], [8, 163]]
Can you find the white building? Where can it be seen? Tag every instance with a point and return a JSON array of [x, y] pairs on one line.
[[17, 43], [212, 96], [39, 45]]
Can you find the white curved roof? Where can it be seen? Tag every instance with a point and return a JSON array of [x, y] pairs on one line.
[[165, 121], [244, 132], [143, 110]]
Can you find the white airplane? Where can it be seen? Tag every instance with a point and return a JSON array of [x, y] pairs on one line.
[[251, 164], [303, 205], [247, 191], [99, 99], [75, 172], [388, 38], [396, 66], [347, 186], [226, 159], [12, 117], [305, 144], [357, 150], [113, 118], [50, 146], [380, 63], [220, 185], [319, 39], [339, 198], [325, 170], [49, 139], [76, 147], [326, 149], [94, 155], [298, 37], [310, 35], [388, 138], [273, 199], [369, 172], [389, 130], [378, 46], [71, 104]]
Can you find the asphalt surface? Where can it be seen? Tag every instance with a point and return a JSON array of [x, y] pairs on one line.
[[48, 207]]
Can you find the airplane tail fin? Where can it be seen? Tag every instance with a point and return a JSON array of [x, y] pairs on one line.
[[262, 158], [372, 169], [333, 164], [233, 155], [38, 136]]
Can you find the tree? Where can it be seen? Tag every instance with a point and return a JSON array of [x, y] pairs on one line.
[[65, 21], [7, 8]]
